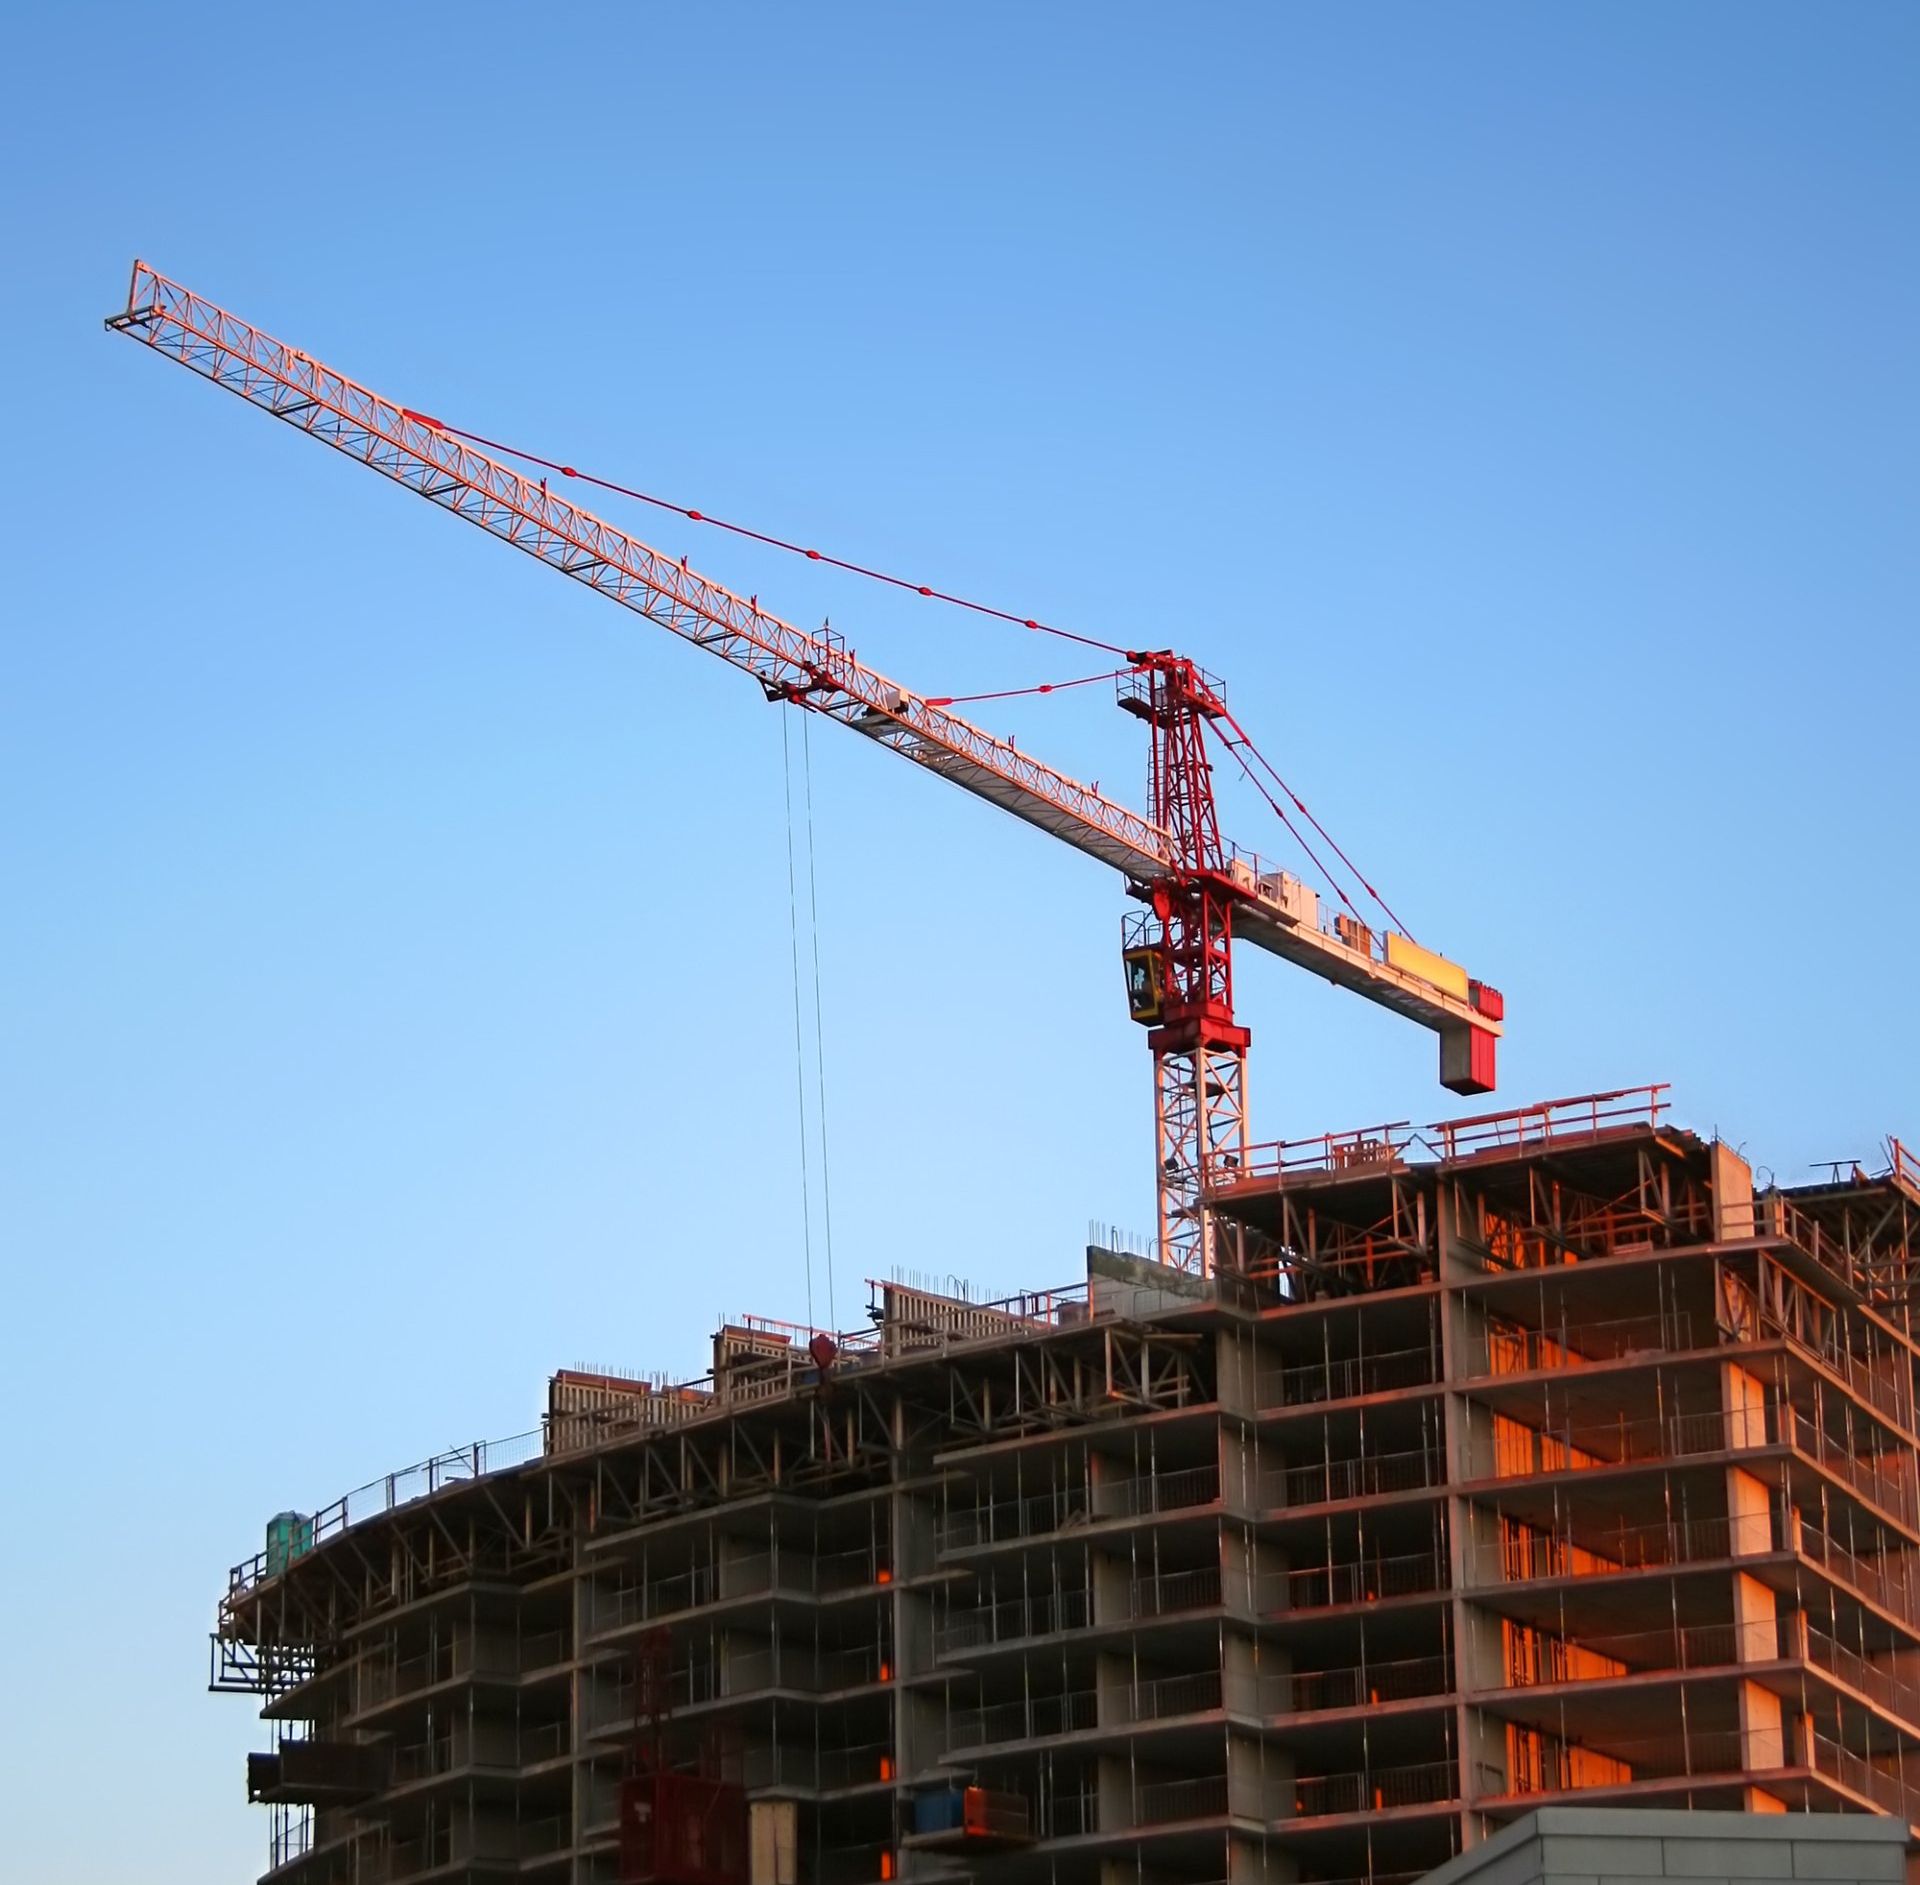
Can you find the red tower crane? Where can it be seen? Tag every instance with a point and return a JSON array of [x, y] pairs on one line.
[[1196, 892]]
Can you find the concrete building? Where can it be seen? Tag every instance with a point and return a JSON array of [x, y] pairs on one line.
[[1534, 1458]]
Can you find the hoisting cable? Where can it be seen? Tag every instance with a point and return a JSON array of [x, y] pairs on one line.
[[760, 536], [799, 1048], [819, 1026]]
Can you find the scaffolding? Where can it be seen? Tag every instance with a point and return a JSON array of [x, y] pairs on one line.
[[1530, 1457]]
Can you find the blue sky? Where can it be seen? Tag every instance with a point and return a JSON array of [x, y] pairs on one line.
[[1515, 404]]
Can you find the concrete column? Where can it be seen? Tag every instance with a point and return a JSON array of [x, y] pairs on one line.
[[1756, 1619], [1749, 1517], [1743, 1398], [1731, 1179]]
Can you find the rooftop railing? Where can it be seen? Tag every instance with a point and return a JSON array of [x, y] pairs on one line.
[[1395, 1144], [1356, 1150], [657, 1408], [1585, 1116]]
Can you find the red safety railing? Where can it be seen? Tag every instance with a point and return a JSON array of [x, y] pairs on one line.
[[1903, 1167], [1327, 1152], [1551, 1120], [1391, 1145]]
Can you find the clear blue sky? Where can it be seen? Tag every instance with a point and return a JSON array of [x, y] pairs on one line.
[[1516, 404]]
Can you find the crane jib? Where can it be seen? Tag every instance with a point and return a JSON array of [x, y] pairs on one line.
[[1197, 892], [294, 387]]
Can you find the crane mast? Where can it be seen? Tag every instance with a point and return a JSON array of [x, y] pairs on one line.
[[1185, 935], [1194, 889]]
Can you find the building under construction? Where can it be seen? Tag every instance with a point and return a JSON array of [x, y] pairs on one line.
[[1531, 1457]]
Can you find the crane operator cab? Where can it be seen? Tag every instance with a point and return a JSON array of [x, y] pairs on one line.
[[1146, 985]]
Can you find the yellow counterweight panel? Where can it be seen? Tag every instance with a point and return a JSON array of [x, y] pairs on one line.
[[1403, 953]]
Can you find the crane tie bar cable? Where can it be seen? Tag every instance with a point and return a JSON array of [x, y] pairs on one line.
[[1240, 737], [760, 536], [1018, 693], [958, 602]]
